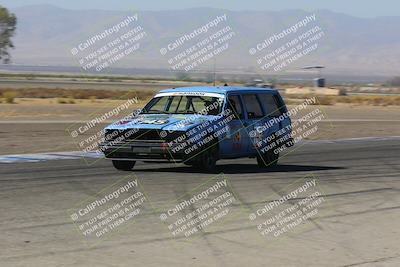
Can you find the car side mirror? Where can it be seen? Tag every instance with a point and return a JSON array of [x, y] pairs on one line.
[[251, 115], [136, 112]]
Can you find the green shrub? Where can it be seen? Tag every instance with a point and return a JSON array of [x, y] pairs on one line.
[[61, 101], [9, 97]]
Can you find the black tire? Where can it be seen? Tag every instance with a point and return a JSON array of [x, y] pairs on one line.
[[268, 159], [207, 160], [189, 163], [124, 165]]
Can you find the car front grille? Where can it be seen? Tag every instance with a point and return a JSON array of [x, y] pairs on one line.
[[128, 135]]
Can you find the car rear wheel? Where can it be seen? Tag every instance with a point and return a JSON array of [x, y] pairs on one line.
[[268, 159], [123, 165]]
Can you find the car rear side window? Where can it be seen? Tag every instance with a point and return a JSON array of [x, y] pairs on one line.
[[270, 105], [253, 107]]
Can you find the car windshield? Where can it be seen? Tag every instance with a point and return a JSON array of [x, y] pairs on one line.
[[184, 104]]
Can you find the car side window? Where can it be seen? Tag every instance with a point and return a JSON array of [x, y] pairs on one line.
[[253, 107], [234, 104], [270, 105]]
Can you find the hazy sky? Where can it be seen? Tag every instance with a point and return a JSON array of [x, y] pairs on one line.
[[363, 8]]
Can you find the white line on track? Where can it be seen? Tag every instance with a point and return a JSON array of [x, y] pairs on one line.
[[37, 157]]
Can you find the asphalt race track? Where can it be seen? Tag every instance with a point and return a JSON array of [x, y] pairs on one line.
[[357, 225]]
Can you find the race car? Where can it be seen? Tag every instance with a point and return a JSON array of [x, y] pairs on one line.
[[200, 125]]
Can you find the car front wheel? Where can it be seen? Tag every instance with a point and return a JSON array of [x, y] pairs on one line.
[[268, 159], [123, 165], [207, 160]]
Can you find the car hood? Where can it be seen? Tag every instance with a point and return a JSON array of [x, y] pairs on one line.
[[167, 122]]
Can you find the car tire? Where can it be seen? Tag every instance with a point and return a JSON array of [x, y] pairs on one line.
[[268, 159], [207, 160], [123, 165], [189, 163]]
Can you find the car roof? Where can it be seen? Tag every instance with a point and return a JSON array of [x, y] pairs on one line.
[[219, 89]]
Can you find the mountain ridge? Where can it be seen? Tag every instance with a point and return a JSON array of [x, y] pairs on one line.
[[46, 33]]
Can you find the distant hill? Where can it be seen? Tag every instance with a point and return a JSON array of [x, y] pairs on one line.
[[46, 34]]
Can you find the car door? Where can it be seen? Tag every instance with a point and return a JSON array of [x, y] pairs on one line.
[[236, 142], [253, 119]]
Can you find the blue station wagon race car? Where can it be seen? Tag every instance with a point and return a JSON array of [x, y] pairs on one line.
[[200, 125]]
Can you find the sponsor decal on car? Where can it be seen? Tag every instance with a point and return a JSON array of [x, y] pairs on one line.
[[190, 94]]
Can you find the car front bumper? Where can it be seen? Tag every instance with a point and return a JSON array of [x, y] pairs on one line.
[[142, 150]]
